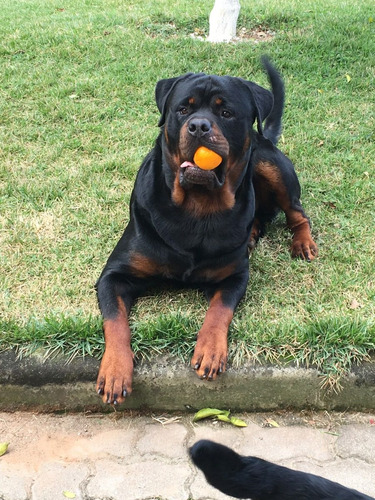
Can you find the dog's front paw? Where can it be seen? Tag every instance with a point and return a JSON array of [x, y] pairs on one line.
[[115, 376], [210, 355]]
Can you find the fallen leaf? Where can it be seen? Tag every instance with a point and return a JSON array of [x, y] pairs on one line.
[[272, 423], [3, 448], [330, 204], [208, 412], [238, 422], [348, 78], [224, 418], [69, 494]]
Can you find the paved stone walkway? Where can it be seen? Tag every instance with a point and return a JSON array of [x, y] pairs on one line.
[[132, 457]]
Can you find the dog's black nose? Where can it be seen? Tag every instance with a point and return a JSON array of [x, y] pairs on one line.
[[199, 126]]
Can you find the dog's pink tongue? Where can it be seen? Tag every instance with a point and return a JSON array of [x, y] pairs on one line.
[[187, 164]]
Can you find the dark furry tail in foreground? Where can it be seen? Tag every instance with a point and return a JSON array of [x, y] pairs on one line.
[[273, 126], [252, 477]]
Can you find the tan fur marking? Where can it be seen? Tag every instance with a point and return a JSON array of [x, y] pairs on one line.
[[166, 135], [246, 144], [217, 275], [270, 173], [144, 267], [201, 203], [254, 234], [211, 351], [178, 194]]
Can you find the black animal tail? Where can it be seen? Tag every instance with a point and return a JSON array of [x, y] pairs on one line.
[[273, 126]]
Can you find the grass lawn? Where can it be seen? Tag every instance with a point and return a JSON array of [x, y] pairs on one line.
[[77, 115]]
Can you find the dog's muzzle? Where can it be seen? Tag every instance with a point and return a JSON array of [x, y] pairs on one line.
[[191, 174]]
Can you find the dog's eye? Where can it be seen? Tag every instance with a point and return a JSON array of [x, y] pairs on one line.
[[226, 114], [183, 110]]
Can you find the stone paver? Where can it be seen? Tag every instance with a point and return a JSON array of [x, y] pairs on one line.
[[356, 442], [58, 480], [299, 442], [165, 440], [127, 457], [15, 482], [116, 443], [140, 480]]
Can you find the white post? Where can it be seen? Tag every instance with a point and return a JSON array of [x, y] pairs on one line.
[[223, 20]]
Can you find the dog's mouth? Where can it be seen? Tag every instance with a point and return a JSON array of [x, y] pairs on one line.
[[191, 175]]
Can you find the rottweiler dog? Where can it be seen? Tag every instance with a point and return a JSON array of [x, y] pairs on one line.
[[252, 477], [195, 226]]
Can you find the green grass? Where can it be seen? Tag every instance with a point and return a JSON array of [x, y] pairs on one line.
[[77, 116]]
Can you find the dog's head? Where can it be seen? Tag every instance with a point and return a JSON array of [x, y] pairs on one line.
[[217, 112], [220, 465]]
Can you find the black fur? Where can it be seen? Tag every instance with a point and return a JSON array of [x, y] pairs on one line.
[[252, 477], [194, 226]]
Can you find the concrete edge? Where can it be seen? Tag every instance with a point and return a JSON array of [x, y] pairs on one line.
[[168, 384]]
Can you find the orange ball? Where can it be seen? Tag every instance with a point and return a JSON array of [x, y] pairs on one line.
[[207, 159]]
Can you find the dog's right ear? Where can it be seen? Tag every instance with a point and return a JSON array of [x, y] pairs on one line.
[[163, 90]]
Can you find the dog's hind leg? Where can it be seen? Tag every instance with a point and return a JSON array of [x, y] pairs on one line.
[[277, 188]]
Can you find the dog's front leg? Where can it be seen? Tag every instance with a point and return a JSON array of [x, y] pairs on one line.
[[211, 350], [115, 376]]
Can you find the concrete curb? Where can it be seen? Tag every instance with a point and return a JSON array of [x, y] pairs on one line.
[[167, 384]]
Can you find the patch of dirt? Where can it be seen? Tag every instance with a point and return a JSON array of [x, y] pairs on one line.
[[259, 34], [36, 438], [255, 35]]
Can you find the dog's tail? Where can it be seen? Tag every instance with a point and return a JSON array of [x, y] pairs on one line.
[[273, 125]]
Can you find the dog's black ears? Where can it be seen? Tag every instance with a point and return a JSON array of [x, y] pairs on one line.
[[163, 91], [262, 100]]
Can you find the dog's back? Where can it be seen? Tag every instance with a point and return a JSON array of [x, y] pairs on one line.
[[252, 477]]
